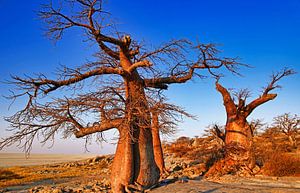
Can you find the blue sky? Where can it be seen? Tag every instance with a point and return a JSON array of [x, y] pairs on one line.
[[265, 34]]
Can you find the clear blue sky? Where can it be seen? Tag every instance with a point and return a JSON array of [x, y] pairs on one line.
[[265, 34]]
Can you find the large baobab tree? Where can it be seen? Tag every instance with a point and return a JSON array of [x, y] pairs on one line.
[[238, 132], [119, 62]]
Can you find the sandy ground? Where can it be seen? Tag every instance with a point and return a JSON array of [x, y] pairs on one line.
[[235, 185], [91, 173], [19, 159]]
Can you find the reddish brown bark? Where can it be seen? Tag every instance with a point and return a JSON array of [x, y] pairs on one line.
[[122, 171], [157, 146], [135, 156]]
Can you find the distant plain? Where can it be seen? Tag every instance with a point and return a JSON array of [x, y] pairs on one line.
[[19, 159]]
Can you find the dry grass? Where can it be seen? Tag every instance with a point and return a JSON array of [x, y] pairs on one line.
[[282, 164], [23, 175], [27, 174], [273, 153]]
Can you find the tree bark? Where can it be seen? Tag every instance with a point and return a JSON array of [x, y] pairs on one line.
[[122, 168], [239, 145], [146, 172], [157, 147], [239, 158], [134, 162]]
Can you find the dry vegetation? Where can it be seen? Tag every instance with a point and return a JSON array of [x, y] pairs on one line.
[[274, 155], [186, 158], [282, 164], [85, 170]]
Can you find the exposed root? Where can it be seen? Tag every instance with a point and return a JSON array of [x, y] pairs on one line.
[[135, 187], [164, 174], [237, 161]]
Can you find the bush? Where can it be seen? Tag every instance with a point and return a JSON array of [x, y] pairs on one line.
[[282, 164]]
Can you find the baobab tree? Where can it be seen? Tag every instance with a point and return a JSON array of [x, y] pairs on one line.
[[289, 125], [256, 125], [239, 157], [119, 60]]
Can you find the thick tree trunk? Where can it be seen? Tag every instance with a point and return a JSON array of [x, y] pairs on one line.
[[146, 172], [122, 168], [239, 157], [239, 146], [157, 147], [134, 164]]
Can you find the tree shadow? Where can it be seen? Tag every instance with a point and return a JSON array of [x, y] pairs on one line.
[[211, 190], [166, 182]]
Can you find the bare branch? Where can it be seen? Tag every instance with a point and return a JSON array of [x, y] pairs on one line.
[[48, 85], [207, 59], [144, 63], [103, 126], [227, 99], [275, 78], [271, 86]]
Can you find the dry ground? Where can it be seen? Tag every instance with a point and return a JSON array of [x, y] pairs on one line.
[[187, 160], [90, 175], [19, 159]]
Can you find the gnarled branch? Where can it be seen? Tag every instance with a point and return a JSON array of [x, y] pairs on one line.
[[104, 125], [266, 96]]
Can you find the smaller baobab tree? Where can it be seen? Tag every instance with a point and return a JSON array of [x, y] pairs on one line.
[[239, 157], [289, 125], [256, 125]]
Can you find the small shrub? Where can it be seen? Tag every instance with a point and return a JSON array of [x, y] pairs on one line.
[[282, 164]]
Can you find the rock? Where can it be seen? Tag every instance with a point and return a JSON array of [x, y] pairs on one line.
[[98, 158], [177, 168], [88, 187], [256, 169], [195, 177], [183, 179], [57, 191], [194, 162], [197, 142], [183, 165], [172, 177], [80, 189]]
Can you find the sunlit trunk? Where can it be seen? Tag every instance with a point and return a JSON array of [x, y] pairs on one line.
[[146, 172], [158, 152], [134, 160], [122, 168], [239, 158], [239, 146]]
